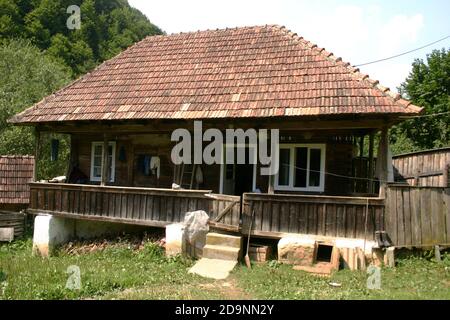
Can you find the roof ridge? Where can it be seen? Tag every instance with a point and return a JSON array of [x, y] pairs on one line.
[[355, 72]]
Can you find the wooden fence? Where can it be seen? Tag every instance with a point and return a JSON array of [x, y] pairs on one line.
[[140, 206], [315, 215], [425, 168], [418, 216]]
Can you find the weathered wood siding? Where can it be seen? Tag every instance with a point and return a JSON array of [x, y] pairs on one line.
[[145, 206], [314, 215], [127, 171], [427, 168], [13, 220], [140, 206], [418, 216]]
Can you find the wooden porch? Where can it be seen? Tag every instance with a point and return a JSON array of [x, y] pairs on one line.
[[274, 215]]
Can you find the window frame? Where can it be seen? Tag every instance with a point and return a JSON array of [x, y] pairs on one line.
[[290, 186], [113, 161]]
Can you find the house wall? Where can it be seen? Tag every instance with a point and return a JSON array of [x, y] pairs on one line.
[[127, 171], [339, 153]]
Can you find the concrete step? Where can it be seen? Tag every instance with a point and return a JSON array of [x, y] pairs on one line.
[[220, 252], [218, 239], [213, 268]]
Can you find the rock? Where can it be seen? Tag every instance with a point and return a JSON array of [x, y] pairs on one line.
[[296, 250]]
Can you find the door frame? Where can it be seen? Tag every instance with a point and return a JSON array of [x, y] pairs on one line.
[[222, 164]]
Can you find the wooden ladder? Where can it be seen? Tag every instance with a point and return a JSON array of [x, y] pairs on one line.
[[185, 175]]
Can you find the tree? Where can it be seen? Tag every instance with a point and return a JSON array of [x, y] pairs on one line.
[[428, 86], [28, 75], [107, 27]]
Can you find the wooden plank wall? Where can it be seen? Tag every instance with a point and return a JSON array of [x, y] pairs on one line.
[[418, 216], [144, 206], [428, 168], [141, 206], [13, 220], [314, 215]]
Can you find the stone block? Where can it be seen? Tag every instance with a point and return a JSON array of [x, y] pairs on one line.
[[296, 250]]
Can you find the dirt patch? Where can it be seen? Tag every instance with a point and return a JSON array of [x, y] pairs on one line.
[[228, 288]]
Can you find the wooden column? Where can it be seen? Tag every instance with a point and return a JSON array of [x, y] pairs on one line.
[[37, 150], [361, 183], [105, 162], [382, 157], [370, 173], [271, 187]]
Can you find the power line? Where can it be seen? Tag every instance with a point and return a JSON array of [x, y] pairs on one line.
[[431, 115], [404, 53]]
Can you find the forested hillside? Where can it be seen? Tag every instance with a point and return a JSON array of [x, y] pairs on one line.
[[106, 28], [39, 54]]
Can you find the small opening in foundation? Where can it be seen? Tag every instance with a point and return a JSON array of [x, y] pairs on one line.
[[324, 252]]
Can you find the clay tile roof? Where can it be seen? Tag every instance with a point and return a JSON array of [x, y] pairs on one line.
[[15, 174], [260, 71]]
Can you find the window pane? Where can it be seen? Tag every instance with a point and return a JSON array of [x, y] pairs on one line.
[[283, 176], [314, 167], [301, 158], [98, 150], [97, 172]]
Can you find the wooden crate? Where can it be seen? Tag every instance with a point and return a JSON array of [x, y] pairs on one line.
[[259, 253]]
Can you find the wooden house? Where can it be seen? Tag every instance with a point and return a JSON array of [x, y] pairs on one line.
[[252, 77]]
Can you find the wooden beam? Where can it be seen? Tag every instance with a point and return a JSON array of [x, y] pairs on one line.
[[37, 150], [271, 187], [167, 126], [370, 175], [384, 142], [105, 162]]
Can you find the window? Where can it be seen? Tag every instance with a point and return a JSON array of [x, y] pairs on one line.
[[301, 168], [97, 161]]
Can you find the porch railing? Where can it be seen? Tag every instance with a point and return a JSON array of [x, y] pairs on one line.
[[140, 206], [314, 215]]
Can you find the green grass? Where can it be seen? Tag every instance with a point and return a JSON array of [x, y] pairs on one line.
[[121, 271], [413, 278]]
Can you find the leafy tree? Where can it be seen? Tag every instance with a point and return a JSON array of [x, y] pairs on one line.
[[428, 85], [107, 27], [28, 75]]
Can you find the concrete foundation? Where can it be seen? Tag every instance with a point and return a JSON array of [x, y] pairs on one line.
[[51, 231], [300, 250], [175, 241]]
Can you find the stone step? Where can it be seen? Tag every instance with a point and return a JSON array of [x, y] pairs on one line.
[[213, 268], [221, 252], [219, 239]]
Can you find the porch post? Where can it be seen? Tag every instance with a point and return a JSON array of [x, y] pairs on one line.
[[362, 183], [370, 175], [105, 160], [37, 149], [271, 187], [383, 158]]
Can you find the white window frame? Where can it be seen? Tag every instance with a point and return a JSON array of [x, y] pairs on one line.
[[113, 160], [308, 188]]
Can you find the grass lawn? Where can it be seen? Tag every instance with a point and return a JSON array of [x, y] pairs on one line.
[[126, 271]]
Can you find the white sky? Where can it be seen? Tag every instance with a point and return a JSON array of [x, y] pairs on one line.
[[357, 31]]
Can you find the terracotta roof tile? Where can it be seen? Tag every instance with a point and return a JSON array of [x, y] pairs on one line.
[[15, 174], [220, 73]]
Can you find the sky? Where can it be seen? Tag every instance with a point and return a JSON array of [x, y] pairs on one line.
[[357, 31]]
